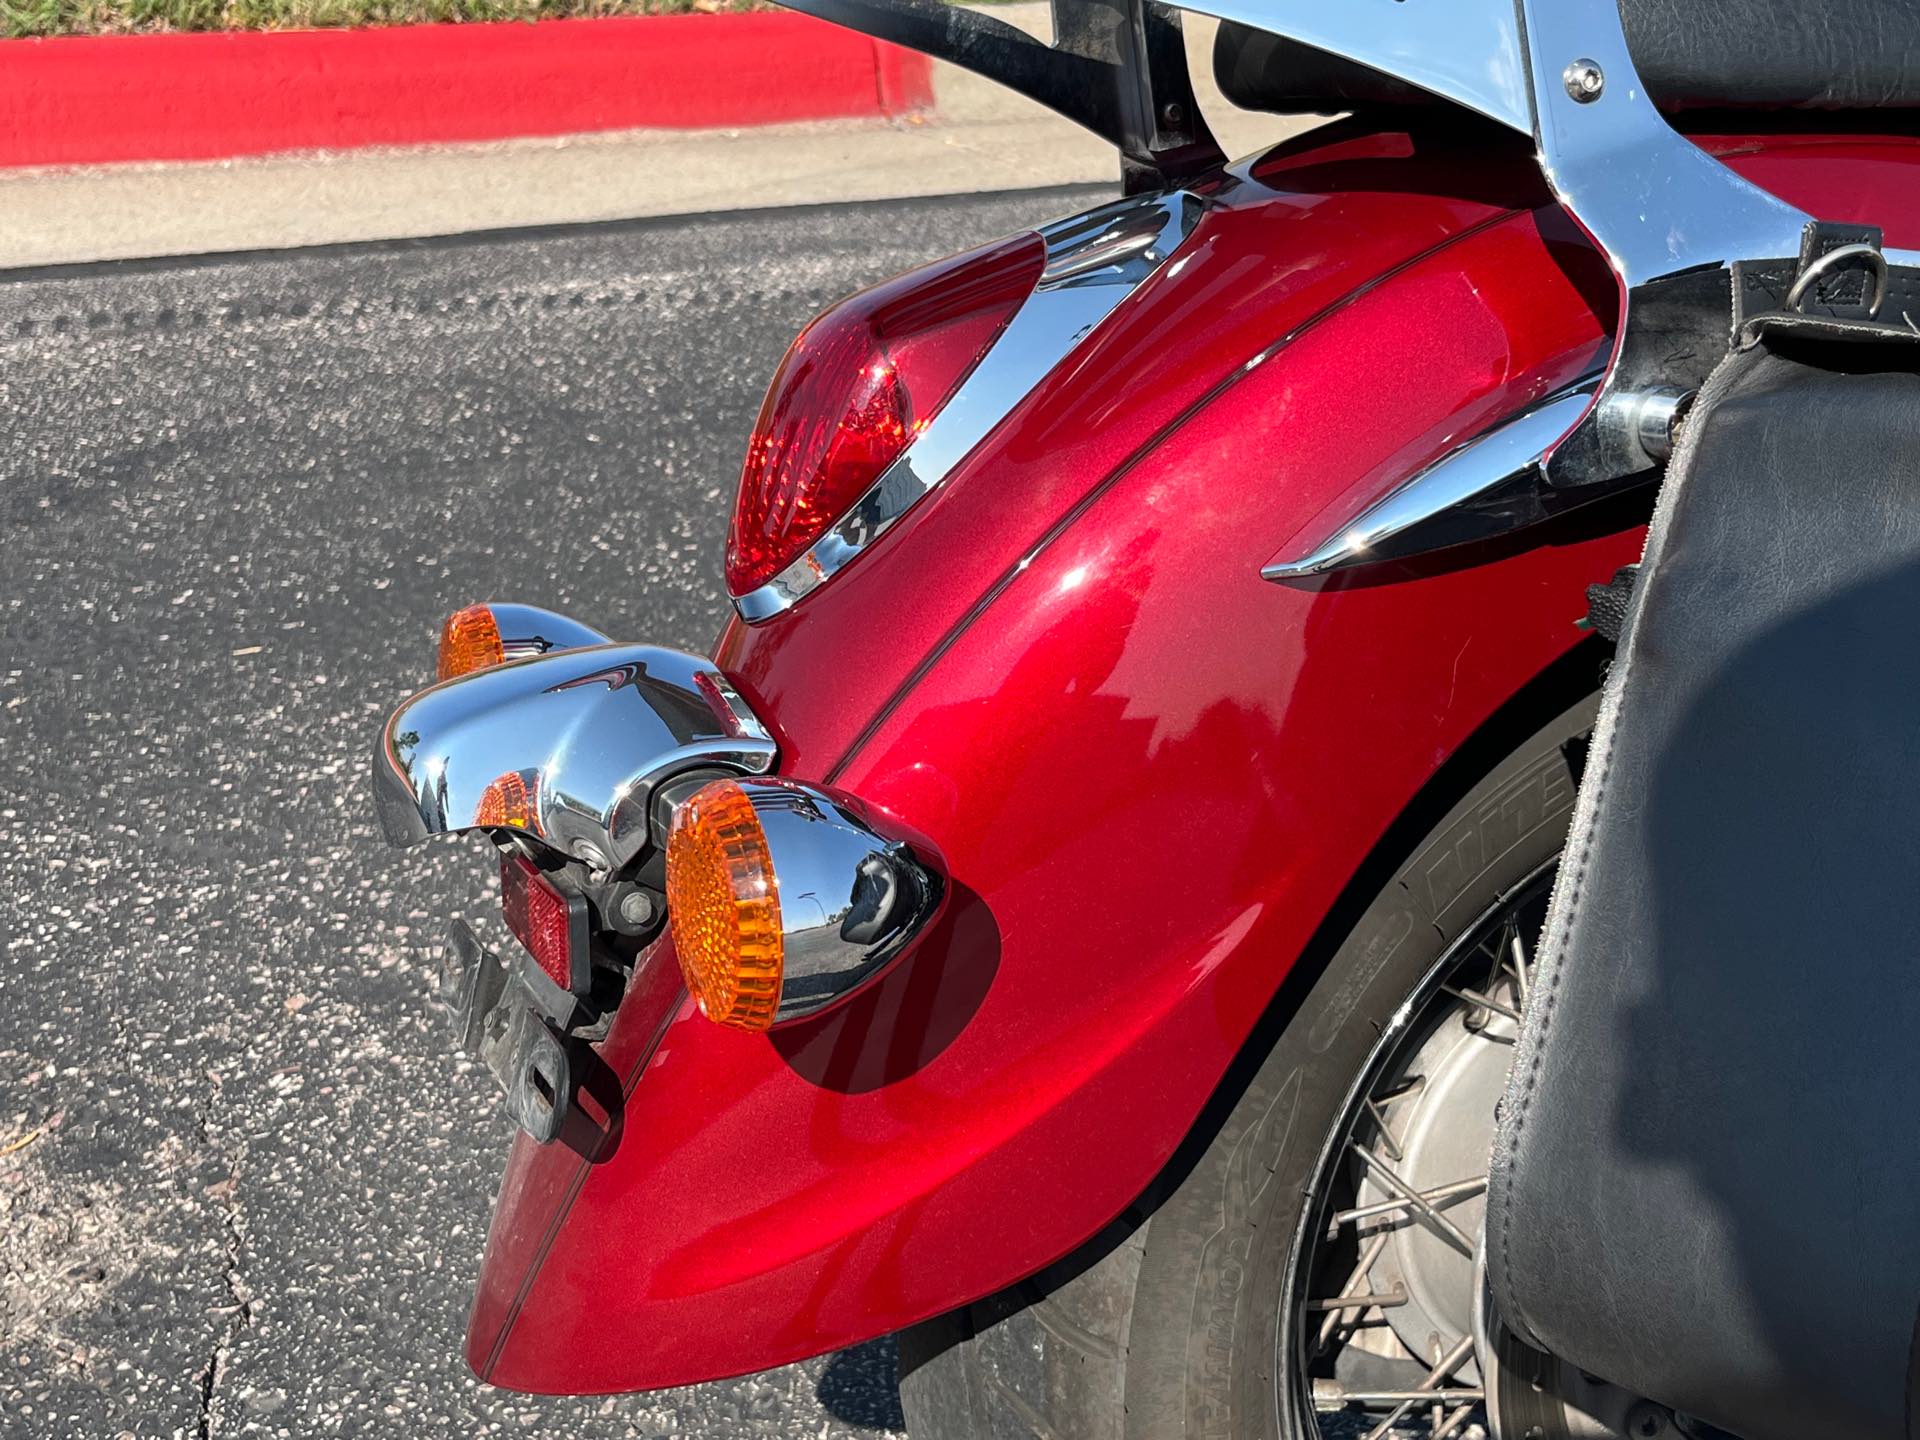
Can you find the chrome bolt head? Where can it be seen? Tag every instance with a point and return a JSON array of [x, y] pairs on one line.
[[1585, 80], [636, 908]]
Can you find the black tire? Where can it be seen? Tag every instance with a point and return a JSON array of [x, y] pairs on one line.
[[1166, 1327]]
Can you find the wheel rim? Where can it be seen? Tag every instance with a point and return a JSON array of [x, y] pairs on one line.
[[1381, 1278]]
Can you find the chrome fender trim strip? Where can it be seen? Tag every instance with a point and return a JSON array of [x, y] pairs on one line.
[[1487, 487], [1094, 261]]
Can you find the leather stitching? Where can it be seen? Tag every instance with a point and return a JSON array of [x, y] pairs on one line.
[[1576, 886], [1679, 471]]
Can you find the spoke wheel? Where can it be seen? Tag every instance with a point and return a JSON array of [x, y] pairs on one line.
[[1383, 1276]]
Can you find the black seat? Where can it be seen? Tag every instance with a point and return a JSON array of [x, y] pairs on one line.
[[1831, 55]]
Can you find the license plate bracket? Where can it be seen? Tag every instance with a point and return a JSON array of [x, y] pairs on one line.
[[497, 1019]]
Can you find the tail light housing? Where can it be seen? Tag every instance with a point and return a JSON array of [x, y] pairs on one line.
[[860, 382]]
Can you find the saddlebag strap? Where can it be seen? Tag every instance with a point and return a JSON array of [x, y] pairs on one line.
[[1706, 1182]]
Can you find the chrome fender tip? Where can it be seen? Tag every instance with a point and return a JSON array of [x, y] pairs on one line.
[[567, 748]]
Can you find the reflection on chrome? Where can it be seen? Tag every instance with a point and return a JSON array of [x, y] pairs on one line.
[[850, 899], [568, 748], [527, 631]]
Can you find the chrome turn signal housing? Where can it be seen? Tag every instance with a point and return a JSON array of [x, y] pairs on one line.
[[783, 899]]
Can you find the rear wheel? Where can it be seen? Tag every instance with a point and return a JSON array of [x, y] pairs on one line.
[[1307, 1268]]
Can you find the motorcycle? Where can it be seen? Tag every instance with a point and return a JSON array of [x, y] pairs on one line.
[[1083, 914]]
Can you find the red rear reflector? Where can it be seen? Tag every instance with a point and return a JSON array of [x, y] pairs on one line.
[[856, 387], [551, 925]]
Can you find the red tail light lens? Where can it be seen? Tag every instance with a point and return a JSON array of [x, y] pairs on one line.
[[551, 925], [860, 382]]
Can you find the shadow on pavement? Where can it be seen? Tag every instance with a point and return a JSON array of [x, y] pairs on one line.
[[862, 1386]]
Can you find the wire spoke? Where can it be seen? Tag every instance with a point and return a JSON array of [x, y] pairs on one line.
[[1355, 1282], [1391, 1179], [1459, 1190], [1522, 978], [1333, 1399], [1483, 1002], [1426, 1389], [1368, 1300], [1387, 1140], [1401, 1089]]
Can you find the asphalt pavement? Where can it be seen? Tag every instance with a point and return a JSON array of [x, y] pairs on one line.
[[244, 1183]]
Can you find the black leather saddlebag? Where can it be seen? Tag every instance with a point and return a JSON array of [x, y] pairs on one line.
[[1706, 1186]]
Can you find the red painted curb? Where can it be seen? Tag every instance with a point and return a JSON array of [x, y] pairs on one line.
[[91, 99]]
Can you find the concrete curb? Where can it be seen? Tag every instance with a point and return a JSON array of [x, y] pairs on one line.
[[204, 96], [978, 136]]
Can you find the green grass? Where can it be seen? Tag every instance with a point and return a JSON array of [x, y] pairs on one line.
[[20, 18]]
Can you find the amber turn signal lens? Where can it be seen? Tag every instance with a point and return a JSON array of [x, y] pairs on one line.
[[469, 641], [723, 905]]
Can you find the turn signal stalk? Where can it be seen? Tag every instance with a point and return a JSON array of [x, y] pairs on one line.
[[783, 899]]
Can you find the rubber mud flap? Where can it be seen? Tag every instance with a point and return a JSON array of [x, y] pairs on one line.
[[1706, 1183]]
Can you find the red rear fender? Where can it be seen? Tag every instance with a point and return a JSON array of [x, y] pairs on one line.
[[1149, 772]]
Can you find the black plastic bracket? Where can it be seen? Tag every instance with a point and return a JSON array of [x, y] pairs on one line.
[[538, 1075], [1116, 67], [496, 1019], [471, 981]]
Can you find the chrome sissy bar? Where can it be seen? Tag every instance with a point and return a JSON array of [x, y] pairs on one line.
[[1672, 221]]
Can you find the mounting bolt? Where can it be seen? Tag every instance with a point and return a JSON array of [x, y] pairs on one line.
[[636, 908], [1173, 113], [1585, 80]]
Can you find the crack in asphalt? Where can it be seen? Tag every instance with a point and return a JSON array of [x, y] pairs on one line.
[[239, 1310]]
